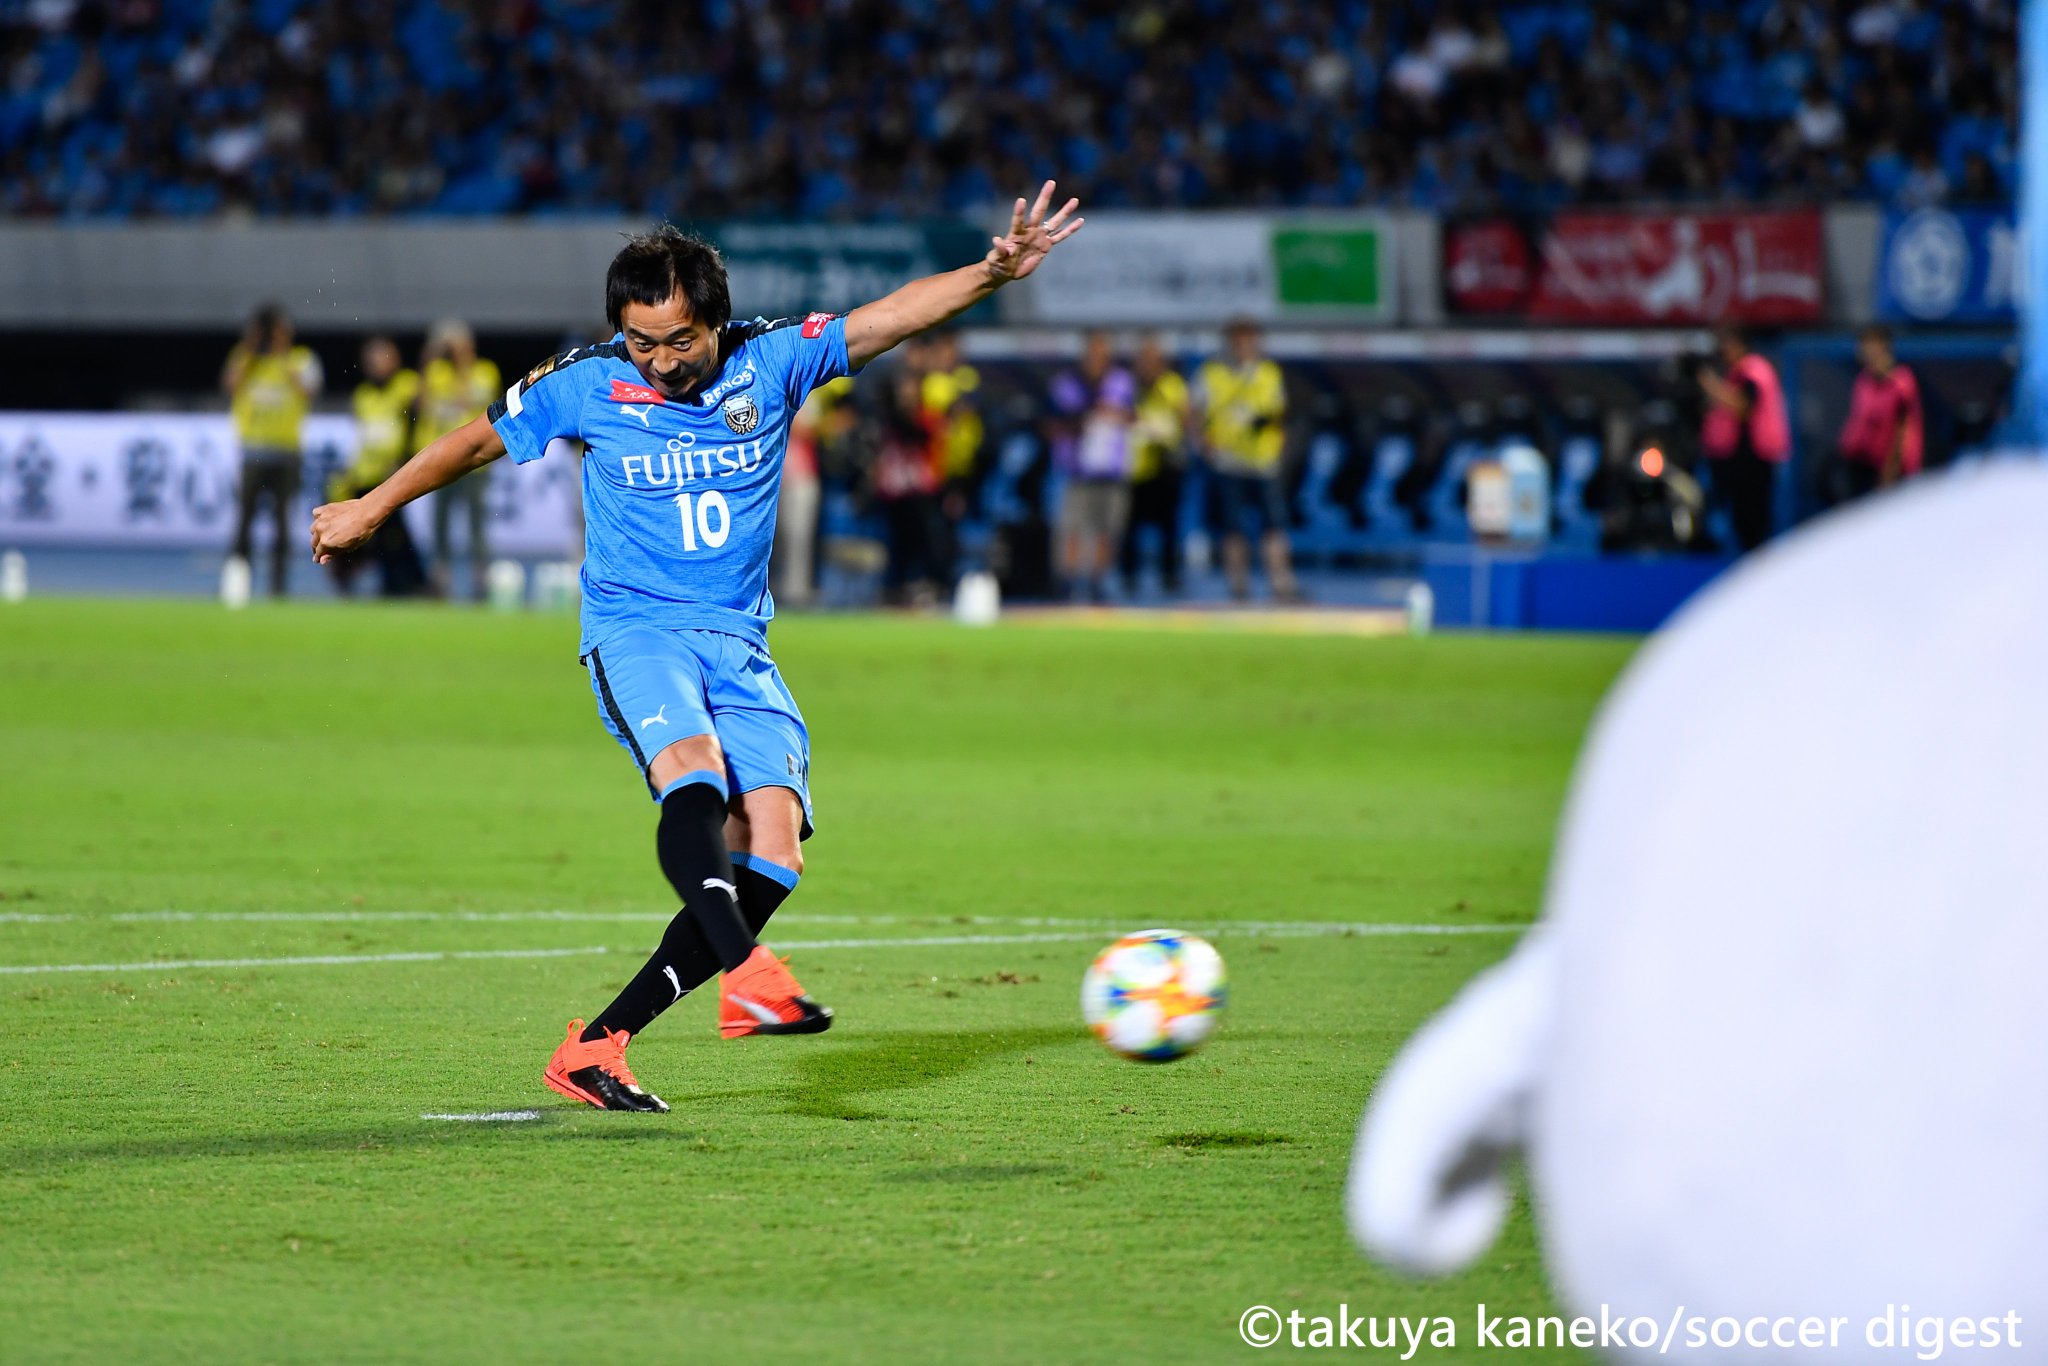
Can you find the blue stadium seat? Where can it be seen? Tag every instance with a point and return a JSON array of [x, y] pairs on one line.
[[1388, 521], [1578, 461], [1322, 526]]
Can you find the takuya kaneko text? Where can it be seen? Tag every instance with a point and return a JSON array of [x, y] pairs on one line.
[[1925, 1336]]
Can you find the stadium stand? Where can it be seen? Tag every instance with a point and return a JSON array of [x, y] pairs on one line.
[[879, 109]]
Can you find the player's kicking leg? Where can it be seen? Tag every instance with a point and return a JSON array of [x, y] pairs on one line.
[[763, 830], [590, 1065]]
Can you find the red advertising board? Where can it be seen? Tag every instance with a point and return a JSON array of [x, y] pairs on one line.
[[1489, 267], [1671, 269]]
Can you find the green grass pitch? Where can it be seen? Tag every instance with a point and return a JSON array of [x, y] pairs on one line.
[[227, 1163]]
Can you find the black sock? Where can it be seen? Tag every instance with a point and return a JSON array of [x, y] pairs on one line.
[[685, 961], [764, 886], [690, 842]]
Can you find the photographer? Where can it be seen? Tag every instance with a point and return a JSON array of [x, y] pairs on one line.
[[1242, 399], [271, 384]]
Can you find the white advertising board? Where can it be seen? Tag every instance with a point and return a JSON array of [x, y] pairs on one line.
[[169, 480]]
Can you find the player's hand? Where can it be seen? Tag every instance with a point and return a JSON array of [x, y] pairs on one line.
[[1031, 237], [339, 527]]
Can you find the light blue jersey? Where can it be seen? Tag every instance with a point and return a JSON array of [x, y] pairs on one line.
[[679, 496]]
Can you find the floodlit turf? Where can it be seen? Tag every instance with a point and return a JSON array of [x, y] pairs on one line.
[[230, 1163]]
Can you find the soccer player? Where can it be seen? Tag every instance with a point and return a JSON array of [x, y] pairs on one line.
[[685, 414]]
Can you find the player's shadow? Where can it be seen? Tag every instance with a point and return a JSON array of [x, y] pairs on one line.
[[832, 1083], [281, 1143]]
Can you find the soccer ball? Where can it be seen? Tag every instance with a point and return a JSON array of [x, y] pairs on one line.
[[1154, 995]]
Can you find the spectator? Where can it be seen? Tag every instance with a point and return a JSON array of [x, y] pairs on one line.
[[1925, 183], [823, 416], [455, 385], [1881, 442], [271, 383], [1745, 435], [1242, 399], [384, 406], [1093, 406], [1158, 456], [948, 389], [906, 483]]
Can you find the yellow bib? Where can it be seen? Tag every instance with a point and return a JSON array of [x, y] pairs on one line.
[[270, 399], [1243, 414], [449, 398]]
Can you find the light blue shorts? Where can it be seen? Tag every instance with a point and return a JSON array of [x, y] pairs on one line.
[[655, 687]]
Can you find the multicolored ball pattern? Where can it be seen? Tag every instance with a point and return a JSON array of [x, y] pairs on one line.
[[1154, 995]]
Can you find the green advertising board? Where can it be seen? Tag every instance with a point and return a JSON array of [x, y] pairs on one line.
[[1327, 267]]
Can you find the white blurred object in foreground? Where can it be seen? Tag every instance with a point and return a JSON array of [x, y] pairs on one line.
[[505, 585], [13, 577], [236, 581], [978, 601], [1780, 1045]]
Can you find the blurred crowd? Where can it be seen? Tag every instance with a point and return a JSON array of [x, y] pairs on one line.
[[911, 108]]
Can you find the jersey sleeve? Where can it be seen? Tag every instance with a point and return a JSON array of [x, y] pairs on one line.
[[805, 352], [541, 405]]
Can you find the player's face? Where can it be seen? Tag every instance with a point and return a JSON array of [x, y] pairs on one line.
[[671, 349]]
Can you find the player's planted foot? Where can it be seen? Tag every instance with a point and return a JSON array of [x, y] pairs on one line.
[[596, 1073], [760, 997]]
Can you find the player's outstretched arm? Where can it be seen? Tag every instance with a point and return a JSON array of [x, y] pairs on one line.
[[873, 328], [343, 526]]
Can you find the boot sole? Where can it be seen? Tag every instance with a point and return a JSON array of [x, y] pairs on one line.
[[815, 1024]]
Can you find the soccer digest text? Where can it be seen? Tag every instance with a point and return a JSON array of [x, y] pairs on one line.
[[1927, 1337]]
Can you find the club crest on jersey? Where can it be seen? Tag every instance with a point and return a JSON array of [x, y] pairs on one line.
[[742, 414], [814, 325]]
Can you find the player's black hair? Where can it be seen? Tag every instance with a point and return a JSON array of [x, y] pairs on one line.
[[655, 266]]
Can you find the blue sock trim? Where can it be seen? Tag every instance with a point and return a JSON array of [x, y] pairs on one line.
[[696, 775], [769, 869]]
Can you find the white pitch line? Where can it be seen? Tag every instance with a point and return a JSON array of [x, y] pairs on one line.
[[490, 1117], [311, 960], [1303, 930]]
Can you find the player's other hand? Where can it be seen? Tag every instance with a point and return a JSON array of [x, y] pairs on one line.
[[1031, 237], [339, 527]]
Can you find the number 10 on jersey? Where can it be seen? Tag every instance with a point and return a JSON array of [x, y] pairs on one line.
[[705, 517]]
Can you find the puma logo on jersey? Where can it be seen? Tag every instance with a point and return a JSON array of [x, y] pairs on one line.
[[659, 718], [640, 412]]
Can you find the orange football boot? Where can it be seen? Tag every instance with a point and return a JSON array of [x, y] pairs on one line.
[[596, 1072], [760, 997]]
